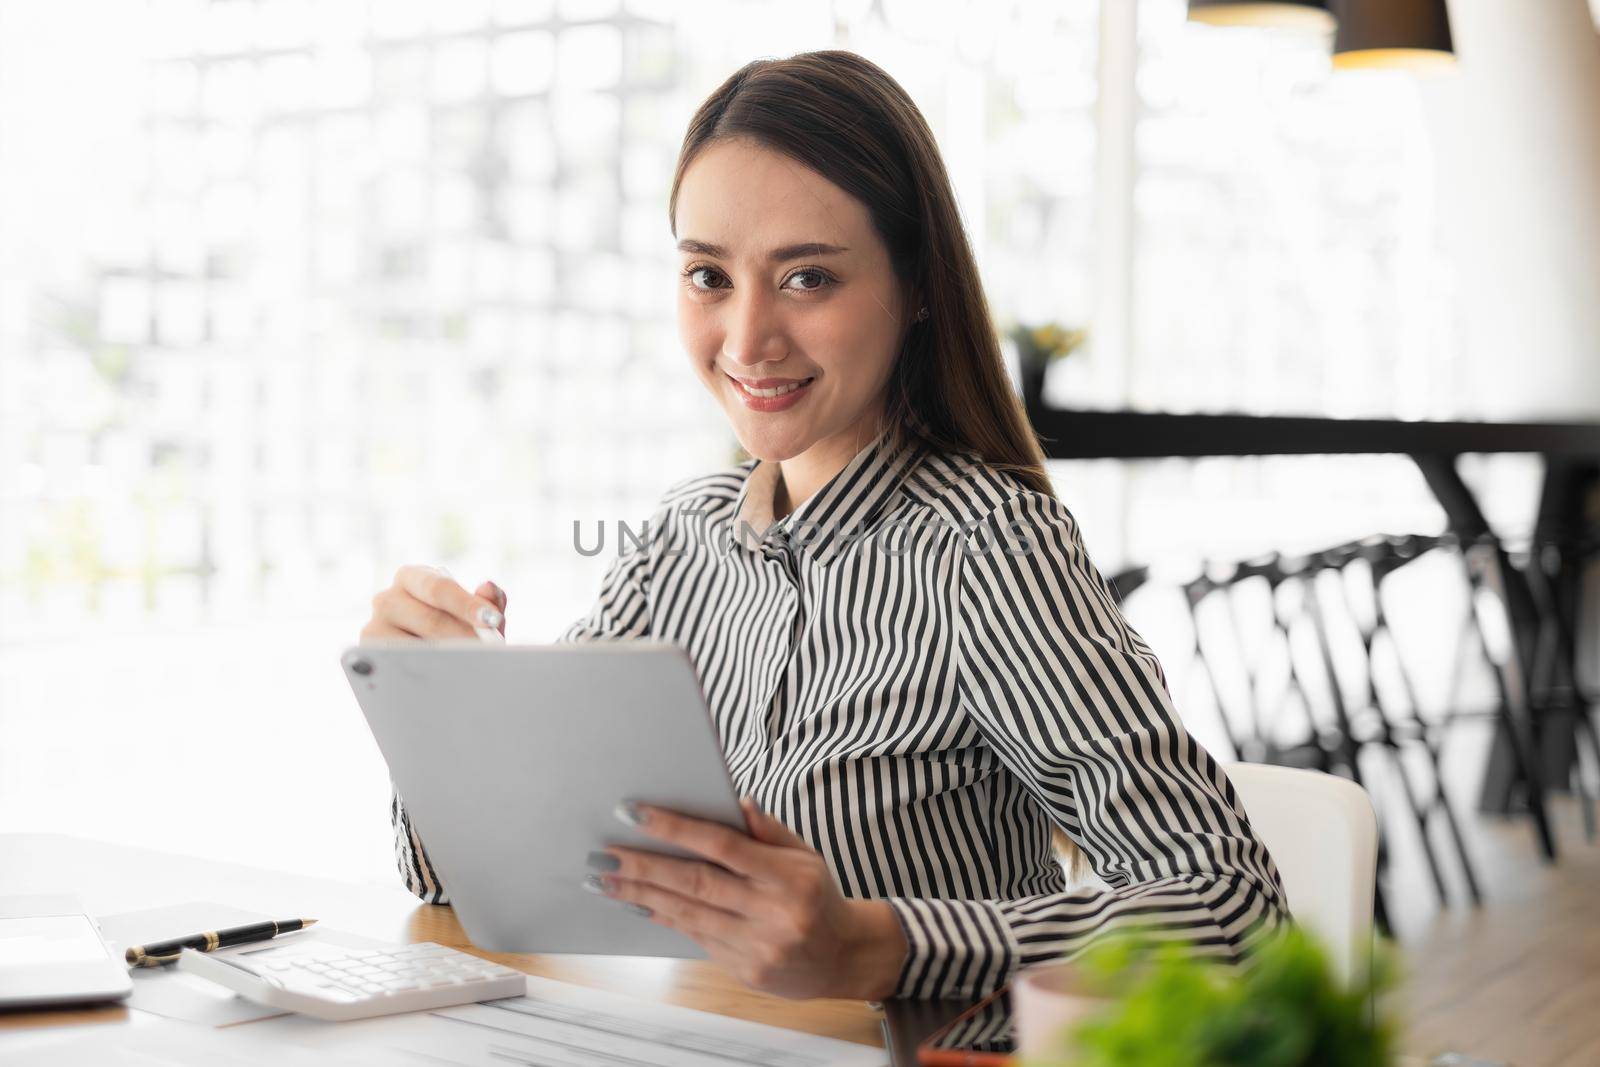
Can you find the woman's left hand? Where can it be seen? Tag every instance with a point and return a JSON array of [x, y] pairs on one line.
[[765, 906]]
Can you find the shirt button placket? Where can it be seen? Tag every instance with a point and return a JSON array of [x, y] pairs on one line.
[[778, 550]]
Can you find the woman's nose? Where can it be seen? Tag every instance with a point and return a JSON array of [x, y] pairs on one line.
[[753, 333]]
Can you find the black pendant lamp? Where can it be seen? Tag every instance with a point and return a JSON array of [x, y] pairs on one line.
[[1278, 14], [1392, 34]]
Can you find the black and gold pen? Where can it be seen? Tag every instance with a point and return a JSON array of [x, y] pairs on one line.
[[163, 952]]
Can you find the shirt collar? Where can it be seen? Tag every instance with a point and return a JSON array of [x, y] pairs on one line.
[[827, 522]]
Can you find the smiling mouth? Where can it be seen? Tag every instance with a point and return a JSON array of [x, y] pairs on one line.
[[767, 394]]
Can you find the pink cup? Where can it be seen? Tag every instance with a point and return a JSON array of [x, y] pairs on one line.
[[1045, 1001]]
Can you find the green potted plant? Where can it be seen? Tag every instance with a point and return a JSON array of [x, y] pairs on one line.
[[1037, 347], [1168, 1007]]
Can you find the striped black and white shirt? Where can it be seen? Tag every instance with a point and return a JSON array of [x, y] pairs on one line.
[[919, 670]]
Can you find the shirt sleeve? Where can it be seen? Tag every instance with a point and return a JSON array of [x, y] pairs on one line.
[[1074, 703], [416, 870], [621, 610]]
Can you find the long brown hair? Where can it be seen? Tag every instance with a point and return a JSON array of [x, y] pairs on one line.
[[845, 118]]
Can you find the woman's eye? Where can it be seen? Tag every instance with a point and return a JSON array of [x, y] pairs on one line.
[[822, 280], [819, 280], [692, 271]]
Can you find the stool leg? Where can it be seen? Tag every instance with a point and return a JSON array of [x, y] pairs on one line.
[[1412, 718], [1194, 596], [1557, 686], [1487, 565]]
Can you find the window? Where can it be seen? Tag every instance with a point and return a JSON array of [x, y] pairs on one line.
[[291, 294]]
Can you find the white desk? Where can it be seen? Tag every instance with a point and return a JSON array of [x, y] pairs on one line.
[[113, 878]]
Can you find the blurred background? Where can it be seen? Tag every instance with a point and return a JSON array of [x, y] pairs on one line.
[[294, 293]]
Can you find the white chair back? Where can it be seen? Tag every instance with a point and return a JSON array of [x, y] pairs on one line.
[[1323, 836]]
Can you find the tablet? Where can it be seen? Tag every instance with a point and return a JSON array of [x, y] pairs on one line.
[[511, 760]]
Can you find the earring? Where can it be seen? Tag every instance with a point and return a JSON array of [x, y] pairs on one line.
[[922, 314]]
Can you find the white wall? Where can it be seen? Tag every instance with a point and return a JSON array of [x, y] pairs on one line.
[[1517, 132]]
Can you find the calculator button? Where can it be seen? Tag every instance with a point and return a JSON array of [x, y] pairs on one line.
[[348, 987]]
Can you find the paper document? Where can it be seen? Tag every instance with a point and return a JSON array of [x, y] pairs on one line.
[[556, 1025], [167, 1043], [562, 1025]]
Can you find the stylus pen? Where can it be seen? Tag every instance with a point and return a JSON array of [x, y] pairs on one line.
[[491, 635], [163, 952]]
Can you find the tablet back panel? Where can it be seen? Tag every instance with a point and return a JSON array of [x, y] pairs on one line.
[[511, 760]]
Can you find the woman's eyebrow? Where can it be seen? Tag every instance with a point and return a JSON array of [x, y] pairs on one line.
[[777, 255]]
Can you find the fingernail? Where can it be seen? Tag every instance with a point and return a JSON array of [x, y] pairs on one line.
[[593, 884], [490, 617], [499, 594], [639, 909], [603, 861], [630, 812]]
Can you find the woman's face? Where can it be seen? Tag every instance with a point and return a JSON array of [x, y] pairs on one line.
[[755, 311]]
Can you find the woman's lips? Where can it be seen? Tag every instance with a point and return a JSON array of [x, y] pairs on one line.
[[771, 403]]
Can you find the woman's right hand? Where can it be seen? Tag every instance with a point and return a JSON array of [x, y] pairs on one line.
[[425, 602]]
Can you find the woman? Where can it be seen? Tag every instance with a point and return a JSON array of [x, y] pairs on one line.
[[911, 662]]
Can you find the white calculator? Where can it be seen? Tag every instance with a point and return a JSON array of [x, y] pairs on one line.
[[335, 983]]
